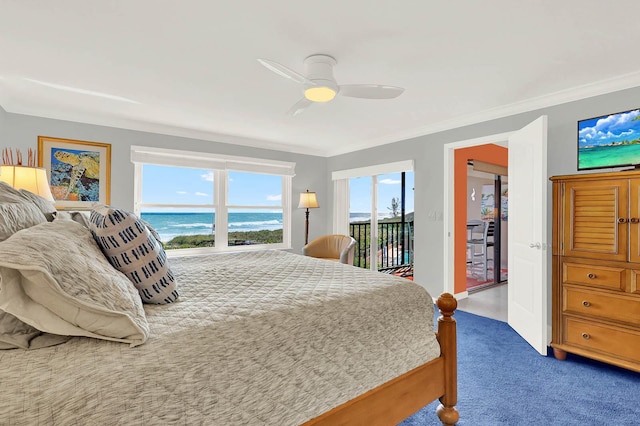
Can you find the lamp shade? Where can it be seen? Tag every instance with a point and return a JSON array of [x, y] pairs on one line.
[[308, 200], [32, 179]]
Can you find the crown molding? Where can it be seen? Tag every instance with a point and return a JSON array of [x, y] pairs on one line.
[[602, 87], [585, 91], [157, 128]]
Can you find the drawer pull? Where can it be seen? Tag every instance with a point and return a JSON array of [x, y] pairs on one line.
[[591, 276], [586, 336], [634, 220], [622, 220], [586, 303]]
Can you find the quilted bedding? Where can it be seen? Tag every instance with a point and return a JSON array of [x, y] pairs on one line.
[[260, 338]]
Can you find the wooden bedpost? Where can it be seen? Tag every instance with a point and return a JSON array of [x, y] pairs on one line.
[[447, 412]]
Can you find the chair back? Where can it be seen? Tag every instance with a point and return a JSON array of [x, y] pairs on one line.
[[489, 233], [336, 247], [476, 230]]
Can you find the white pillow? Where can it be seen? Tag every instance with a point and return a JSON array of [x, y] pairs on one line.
[[17, 211], [8, 194], [46, 207], [132, 250], [16, 334], [55, 279], [14, 217], [82, 217]]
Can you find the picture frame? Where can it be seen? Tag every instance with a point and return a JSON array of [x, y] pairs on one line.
[[79, 172]]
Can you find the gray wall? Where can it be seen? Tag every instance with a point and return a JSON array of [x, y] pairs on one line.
[[428, 153], [22, 131], [314, 173], [3, 139]]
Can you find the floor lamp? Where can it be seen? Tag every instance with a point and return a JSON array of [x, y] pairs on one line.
[[308, 201]]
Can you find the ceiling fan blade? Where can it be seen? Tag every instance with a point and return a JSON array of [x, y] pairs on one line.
[[284, 71], [370, 91], [299, 106]]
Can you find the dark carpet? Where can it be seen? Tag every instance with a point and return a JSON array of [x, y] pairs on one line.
[[504, 381]]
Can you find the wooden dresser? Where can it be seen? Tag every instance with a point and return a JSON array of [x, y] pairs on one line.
[[596, 267]]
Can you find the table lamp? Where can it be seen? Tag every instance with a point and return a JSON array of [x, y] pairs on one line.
[[32, 179]]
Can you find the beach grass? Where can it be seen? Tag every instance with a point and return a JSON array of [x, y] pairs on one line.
[[235, 238]]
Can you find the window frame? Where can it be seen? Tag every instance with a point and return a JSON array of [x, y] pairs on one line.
[[221, 165]]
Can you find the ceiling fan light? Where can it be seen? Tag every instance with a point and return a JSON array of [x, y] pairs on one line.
[[320, 94]]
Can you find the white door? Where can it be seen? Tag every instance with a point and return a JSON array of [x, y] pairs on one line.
[[527, 209]]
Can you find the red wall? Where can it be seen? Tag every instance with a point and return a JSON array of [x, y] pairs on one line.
[[489, 154]]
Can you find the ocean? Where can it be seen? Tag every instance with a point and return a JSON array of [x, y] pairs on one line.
[[169, 225], [608, 156]]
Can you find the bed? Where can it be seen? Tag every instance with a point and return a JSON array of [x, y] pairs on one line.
[[255, 338]]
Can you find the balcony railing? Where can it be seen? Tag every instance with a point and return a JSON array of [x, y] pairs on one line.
[[394, 247]]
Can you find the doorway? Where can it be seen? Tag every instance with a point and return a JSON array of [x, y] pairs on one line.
[[487, 228], [527, 301], [492, 303]]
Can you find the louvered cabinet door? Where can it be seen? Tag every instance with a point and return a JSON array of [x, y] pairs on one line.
[[634, 220], [596, 219]]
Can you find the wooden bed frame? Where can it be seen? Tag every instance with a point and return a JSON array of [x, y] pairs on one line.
[[394, 401]]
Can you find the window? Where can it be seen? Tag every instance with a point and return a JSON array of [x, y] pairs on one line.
[[254, 208], [207, 201]]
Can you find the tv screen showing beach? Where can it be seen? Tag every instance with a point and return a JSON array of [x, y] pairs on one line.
[[609, 141]]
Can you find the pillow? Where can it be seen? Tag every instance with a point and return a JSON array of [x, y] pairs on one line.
[[81, 217], [152, 231], [46, 207], [16, 334], [131, 249], [55, 279], [14, 217], [10, 195]]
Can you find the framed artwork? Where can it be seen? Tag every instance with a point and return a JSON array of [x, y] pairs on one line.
[[487, 203], [79, 172]]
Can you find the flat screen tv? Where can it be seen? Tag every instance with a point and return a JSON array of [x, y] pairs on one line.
[[611, 140]]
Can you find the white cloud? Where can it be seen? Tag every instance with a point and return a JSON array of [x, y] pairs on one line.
[[390, 182], [208, 176], [616, 121], [274, 197], [201, 194], [181, 192]]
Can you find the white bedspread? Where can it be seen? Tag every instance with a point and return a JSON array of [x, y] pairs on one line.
[[266, 338]]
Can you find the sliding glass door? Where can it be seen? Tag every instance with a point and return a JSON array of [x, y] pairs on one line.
[[362, 219], [380, 214]]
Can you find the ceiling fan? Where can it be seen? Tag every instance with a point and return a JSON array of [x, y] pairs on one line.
[[319, 84]]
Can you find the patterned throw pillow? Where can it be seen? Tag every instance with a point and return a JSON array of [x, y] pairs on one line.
[[132, 250]]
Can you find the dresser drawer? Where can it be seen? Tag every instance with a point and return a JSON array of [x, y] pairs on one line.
[[594, 276], [619, 342], [597, 304]]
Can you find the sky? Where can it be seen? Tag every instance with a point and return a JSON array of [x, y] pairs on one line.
[[180, 185], [610, 128], [389, 186]]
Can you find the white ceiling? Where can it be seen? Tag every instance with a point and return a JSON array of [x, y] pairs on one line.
[[189, 67]]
